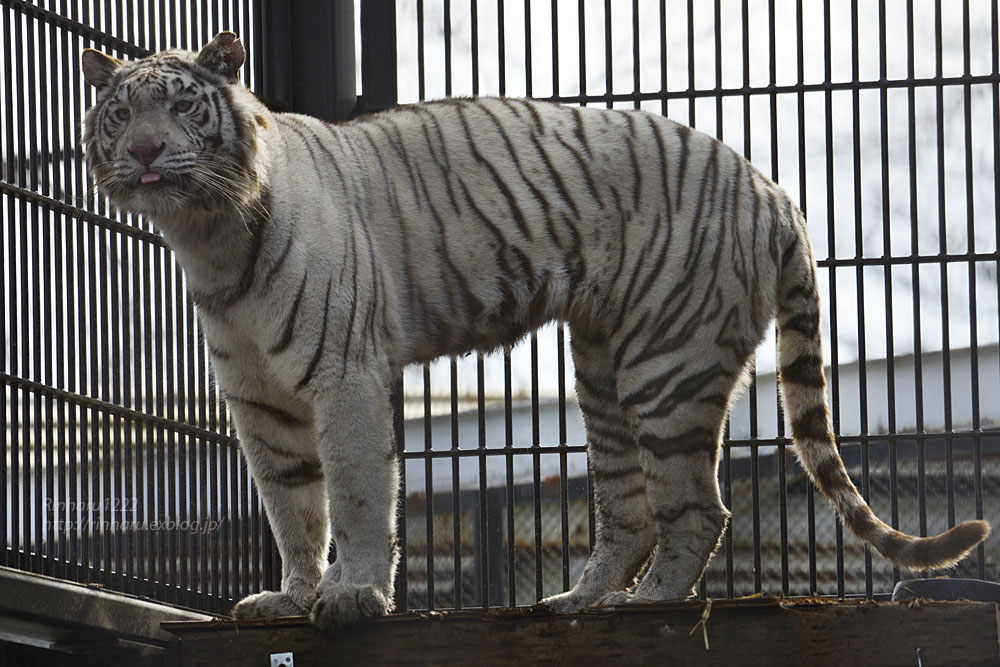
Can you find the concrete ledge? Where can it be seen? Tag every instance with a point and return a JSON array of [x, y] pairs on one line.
[[745, 632], [74, 618]]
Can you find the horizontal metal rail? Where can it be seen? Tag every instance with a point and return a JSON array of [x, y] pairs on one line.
[[75, 28], [71, 211], [776, 89], [113, 410]]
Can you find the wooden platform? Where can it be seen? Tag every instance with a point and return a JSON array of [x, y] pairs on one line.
[[745, 632]]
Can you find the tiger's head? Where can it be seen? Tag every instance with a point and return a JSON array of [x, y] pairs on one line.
[[173, 135]]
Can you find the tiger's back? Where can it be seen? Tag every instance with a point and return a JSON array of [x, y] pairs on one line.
[[498, 215], [324, 258]]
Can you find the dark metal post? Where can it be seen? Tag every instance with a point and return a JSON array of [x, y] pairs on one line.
[[496, 504], [378, 55], [308, 56]]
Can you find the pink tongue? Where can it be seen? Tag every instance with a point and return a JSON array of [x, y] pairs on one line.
[[150, 177]]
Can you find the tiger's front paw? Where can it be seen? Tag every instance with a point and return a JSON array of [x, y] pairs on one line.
[[339, 604], [566, 603], [269, 604]]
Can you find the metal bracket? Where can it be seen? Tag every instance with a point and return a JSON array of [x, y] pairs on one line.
[[282, 660]]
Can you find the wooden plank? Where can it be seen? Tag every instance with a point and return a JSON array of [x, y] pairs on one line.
[[746, 632]]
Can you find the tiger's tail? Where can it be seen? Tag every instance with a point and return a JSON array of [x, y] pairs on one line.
[[803, 388]]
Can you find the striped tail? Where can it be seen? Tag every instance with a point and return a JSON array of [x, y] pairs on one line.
[[803, 388]]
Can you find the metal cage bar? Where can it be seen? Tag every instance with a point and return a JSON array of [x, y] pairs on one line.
[[117, 437]]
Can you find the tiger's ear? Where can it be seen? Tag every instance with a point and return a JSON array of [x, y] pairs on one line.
[[223, 55], [98, 68]]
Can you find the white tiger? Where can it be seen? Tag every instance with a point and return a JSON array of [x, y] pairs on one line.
[[324, 258]]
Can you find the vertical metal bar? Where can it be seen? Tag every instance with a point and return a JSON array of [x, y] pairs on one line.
[[494, 544], [206, 576], [174, 492], [421, 73], [203, 35], [447, 48], [72, 101], [915, 274], [428, 487], [148, 479], [536, 470], [484, 554], [115, 365], [609, 77], [7, 425], [165, 22], [8, 549], [162, 536], [474, 45], [248, 14], [52, 292], [555, 47], [501, 48], [780, 455], [33, 465], [236, 541], [186, 491], [973, 316], [214, 542], [582, 45], [636, 81], [75, 333], [140, 356], [691, 58], [86, 336], [198, 547], [143, 34], [508, 427], [102, 446], [527, 49], [456, 504], [803, 192], [727, 461], [888, 279], [943, 249], [859, 251], [949, 443], [127, 396], [995, 97], [20, 452], [563, 473], [222, 563], [183, 25], [258, 40], [255, 529], [246, 530], [832, 243], [59, 279], [754, 453]]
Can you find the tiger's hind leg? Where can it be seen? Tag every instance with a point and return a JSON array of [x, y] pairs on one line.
[[625, 534], [679, 418]]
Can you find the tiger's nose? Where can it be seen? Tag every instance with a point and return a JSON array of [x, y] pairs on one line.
[[146, 153]]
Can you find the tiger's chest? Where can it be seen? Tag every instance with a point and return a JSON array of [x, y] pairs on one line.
[[262, 345]]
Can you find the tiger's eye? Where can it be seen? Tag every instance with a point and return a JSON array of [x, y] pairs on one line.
[[122, 114], [182, 106]]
